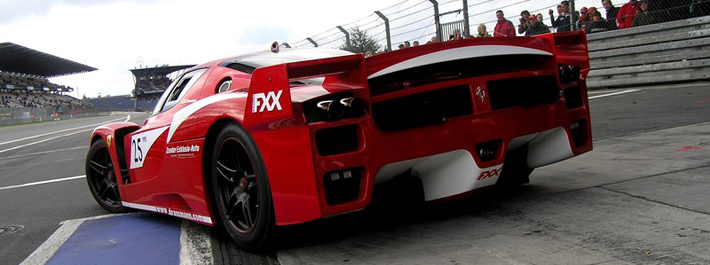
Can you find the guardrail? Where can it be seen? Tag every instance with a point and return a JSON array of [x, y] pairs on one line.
[[28, 115], [677, 51]]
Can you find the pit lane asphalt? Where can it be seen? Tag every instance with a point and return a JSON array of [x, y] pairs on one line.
[[639, 197]]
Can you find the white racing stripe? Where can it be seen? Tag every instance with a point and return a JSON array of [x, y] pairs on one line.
[[184, 113], [41, 182], [614, 94], [70, 129], [459, 54]]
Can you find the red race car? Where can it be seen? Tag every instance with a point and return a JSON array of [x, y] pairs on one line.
[[285, 137]]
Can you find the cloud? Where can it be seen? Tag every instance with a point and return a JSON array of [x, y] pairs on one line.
[[11, 10]]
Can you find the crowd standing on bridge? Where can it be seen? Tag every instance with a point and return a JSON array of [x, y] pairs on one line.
[[633, 13]]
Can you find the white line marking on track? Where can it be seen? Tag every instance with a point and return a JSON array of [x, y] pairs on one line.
[[46, 152], [195, 244], [41, 182], [42, 141], [615, 93], [45, 134]]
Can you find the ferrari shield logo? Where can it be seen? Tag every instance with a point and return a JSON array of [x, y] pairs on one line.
[[108, 140], [481, 94]]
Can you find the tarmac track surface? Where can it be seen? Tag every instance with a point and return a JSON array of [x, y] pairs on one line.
[[639, 198]]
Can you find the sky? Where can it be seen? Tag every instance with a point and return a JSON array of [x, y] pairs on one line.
[[114, 35], [117, 35]]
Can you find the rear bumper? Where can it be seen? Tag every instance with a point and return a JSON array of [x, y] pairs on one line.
[[445, 156]]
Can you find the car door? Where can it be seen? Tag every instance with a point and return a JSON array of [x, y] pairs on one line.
[[146, 147]]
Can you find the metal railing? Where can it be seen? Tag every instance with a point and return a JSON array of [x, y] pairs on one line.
[[420, 20]]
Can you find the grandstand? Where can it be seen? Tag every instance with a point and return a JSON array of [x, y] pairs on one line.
[[24, 83], [150, 84]]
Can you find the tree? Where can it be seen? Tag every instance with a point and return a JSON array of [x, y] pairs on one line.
[[360, 42]]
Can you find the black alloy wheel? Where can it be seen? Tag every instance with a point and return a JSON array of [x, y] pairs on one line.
[[102, 179], [240, 188]]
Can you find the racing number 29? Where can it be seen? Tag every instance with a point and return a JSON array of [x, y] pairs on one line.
[[137, 151]]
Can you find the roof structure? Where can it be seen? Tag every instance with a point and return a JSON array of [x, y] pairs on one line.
[[159, 71], [19, 59]]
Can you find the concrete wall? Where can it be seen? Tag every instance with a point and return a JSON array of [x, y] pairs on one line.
[[677, 51]]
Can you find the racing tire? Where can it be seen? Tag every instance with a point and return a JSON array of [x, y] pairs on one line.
[[102, 179], [240, 188], [515, 168]]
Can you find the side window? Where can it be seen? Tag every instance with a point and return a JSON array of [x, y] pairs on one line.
[[177, 90]]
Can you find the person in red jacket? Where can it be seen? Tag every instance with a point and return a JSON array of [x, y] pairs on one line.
[[504, 28], [627, 13]]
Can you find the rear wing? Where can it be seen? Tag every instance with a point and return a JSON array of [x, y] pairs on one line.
[[270, 88], [571, 49]]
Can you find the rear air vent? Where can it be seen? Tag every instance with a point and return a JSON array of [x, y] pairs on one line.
[[525, 92], [423, 109]]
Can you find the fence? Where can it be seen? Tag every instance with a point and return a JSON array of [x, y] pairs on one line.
[[28, 115], [420, 20]]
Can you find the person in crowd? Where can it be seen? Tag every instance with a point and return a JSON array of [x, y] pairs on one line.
[[627, 13], [539, 17], [563, 22], [525, 23], [482, 31], [457, 34], [407, 44], [611, 12], [584, 18], [597, 24], [415, 43], [401, 46], [503, 28], [538, 27], [433, 39], [644, 17]]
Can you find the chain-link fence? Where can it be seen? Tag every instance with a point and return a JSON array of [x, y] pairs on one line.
[[430, 20]]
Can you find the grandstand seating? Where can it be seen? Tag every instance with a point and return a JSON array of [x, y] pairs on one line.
[[39, 100], [124, 102]]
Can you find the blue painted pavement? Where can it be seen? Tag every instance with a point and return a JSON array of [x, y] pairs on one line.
[[142, 238]]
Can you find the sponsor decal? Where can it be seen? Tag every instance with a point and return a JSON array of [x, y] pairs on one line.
[[481, 94], [268, 101], [182, 149], [108, 140], [171, 212], [489, 174], [188, 101]]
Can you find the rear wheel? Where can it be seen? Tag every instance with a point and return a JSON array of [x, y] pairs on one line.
[[241, 190], [102, 179]]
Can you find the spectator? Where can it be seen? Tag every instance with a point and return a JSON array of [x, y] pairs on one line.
[[401, 46], [525, 23], [611, 12], [627, 13], [407, 44], [538, 27], [457, 34], [643, 17], [415, 43], [504, 28], [539, 17], [584, 18], [433, 39], [482, 32], [597, 24], [563, 22]]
